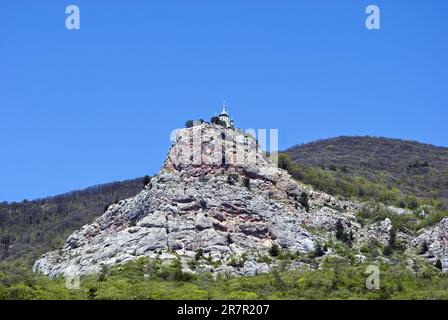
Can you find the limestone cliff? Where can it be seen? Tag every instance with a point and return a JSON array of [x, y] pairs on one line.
[[218, 195]]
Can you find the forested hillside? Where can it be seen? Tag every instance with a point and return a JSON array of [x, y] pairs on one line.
[[31, 228], [403, 173]]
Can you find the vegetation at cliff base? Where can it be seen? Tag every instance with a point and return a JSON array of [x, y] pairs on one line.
[[145, 279], [378, 171]]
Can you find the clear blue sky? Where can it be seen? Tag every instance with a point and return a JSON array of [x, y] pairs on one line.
[[84, 107]]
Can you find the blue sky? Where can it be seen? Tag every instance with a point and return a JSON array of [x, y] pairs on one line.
[[98, 104]]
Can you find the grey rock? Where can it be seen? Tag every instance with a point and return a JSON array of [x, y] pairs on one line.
[[241, 208]]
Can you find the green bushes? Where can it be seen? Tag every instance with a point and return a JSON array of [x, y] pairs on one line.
[[199, 254], [319, 251], [342, 235], [237, 262], [376, 188], [424, 248], [303, 200], [154, 279], [392, 244], [274, 250], [345, 184]]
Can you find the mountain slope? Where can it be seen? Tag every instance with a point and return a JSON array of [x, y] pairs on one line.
[[411, 167], [216, 205], [30, 228], [219, 205]]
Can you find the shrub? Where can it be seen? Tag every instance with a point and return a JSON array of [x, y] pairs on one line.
[[229, 239], [425, 248], [203, 204], [303, 200], [393, 238], [92, 293], [199, 254], [236, 262], [146, 180], [319, 251], [392, 242], [411, 202], [342, 235], [216, 120], [104, 273], [438, 264], [387, 251], [284, 161], [274, 250], [246, 183], [231, 178]]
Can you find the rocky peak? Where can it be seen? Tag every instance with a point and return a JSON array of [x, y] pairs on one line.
[[217, 194]]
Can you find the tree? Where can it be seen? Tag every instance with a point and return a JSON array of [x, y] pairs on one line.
[[231, 179], [229, 239], [6, 241], [387, 251], [216, 120], [92, 293], [411, 202], [303, 200], [274, 250], [319, 251], [199, 254], [340, 235], [392, 242], [104, 273], [246, 183], [343, 236], [284, 161], [146, 180], [425, 248], [278, 282], [203, 204], [393, 238]]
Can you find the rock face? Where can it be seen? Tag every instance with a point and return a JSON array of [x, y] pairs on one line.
[[215, 192], [437, 240], [220, 203]]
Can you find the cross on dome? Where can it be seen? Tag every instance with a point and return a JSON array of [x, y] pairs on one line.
[[224, 108]]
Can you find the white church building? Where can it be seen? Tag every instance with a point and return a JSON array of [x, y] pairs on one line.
[[225, 118]]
